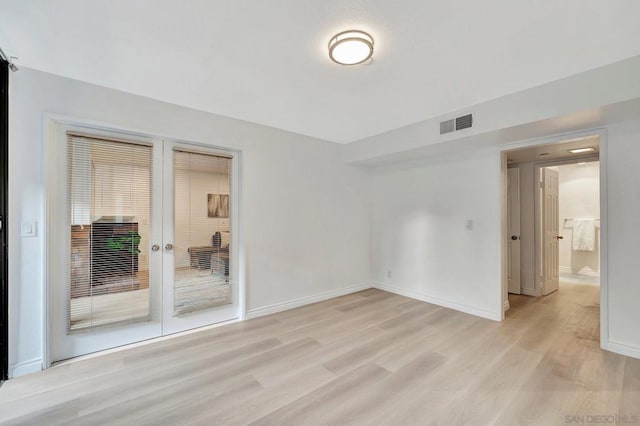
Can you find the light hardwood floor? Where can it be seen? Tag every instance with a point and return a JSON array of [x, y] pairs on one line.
[[367, 358]]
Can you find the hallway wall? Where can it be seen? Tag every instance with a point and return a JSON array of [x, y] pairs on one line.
[[579, 199]]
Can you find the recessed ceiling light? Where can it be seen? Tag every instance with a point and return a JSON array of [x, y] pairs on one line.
[[351, 47], [582, 150]]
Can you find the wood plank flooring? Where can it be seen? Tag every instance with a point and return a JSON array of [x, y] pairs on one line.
[[369, 358]]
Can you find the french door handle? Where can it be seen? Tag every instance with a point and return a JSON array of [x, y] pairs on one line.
[[155, 247], [168, 246]]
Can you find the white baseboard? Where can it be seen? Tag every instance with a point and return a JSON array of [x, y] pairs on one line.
[[296, 303], [25, 367], [585, 272], [622, 349], [506, 306], [496, 316]]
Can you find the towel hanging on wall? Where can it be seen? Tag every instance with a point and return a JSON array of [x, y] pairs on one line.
[[584, 235]]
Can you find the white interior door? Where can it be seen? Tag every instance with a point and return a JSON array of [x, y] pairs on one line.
[[550, 231], [105, 215], [200, 237], [513, 225]]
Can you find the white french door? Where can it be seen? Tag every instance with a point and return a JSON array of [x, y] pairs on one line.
[[141, 239], [198, 249]]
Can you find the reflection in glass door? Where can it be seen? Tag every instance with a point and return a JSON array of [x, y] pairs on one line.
[[199, 262]]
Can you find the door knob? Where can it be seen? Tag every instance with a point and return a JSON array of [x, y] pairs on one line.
[[155, 247], [168, 246], [560, 237], [514, 237]]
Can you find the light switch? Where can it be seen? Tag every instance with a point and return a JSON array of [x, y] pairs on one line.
[[29, 229]]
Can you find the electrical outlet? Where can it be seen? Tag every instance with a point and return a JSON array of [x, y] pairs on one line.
[[469, 225], [389, 273]]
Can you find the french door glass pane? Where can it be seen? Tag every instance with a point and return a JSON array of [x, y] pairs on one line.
[[202, 231], [109, 187]]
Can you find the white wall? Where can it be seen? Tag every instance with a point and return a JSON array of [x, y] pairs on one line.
[[579, 199], [623, 206], [569, 104], [305, 213], [419, 234], [308, 218]]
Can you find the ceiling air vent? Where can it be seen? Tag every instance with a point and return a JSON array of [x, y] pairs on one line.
[[447, 126], [460, 123], [464, 122]]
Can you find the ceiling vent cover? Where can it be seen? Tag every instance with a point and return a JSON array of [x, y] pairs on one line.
[[464, 122], [455, 124], [447, 126]]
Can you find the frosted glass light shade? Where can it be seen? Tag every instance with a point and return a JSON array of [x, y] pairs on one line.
[[351, 47]]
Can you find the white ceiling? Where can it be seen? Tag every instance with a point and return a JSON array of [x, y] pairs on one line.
[[556, 151], [266, 61]]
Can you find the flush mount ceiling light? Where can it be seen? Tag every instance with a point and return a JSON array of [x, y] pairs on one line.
[[351, 47], [582, 150]]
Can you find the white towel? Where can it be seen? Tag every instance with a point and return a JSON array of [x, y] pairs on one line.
[[584, 234]]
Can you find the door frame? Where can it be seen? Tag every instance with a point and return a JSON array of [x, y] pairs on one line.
[[604, 226], [515, 170], [4, 210], [52, 124]]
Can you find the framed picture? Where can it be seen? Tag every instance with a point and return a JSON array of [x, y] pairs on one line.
[[218, 205]]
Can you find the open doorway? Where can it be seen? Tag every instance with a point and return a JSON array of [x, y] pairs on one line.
[[579, 224], [553, 221]]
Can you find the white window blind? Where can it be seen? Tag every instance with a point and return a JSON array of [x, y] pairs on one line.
[[202, 231], [109, 196]]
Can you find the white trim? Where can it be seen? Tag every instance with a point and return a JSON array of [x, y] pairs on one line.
[[622, 349], [307, 300], [480, 312], [144, 342], [48, 136], [530, 292], [553, 139], [25, 367], [503, 246], [506, 306], [585, 272], [604, 242]]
